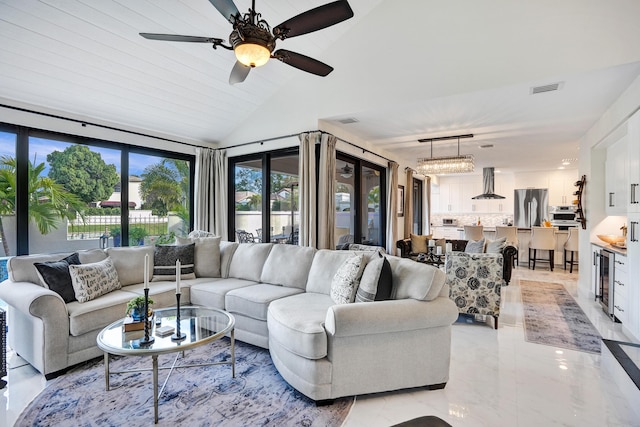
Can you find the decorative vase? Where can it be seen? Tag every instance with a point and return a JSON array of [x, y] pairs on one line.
[[137, 314]]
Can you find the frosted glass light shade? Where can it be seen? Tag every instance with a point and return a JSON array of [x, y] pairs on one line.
[[251, 54]]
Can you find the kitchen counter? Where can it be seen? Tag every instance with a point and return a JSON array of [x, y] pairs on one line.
[[612, 248]]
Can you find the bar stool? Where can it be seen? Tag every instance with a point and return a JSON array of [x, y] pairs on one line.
[[544, 239], [571, 245], [473, 232], [511, 233]]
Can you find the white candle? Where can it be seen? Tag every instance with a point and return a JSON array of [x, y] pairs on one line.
[[439, 250], [146, 271], [178, 269], [432, 243]]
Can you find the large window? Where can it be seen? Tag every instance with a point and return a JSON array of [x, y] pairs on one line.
[[77, 193], [264, 188], [418, 204], [360, 202], [7, 196]]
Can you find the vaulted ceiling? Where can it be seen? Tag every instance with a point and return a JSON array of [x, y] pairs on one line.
[[404, 70]]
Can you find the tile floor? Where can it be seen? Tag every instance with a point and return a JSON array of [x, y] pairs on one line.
[[496, 377]]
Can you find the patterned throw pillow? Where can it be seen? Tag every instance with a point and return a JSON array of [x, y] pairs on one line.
[[164, 262], [375, 284], [55, 276], [345, 281], [475, 246], [95, 279]]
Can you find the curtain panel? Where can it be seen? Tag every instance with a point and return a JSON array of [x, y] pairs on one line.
[[408, 204], [326, 192], [392, 207], [307, 190], [210, 192]]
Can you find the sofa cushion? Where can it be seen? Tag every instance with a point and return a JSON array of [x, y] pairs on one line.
[[93, 280], [253, 301], [248, 260], [345, 282], [296, 323], [376, 282], [212, 293], [165, 258], [55, 275], [288, 265], [415, 280], [129, 263], [474, 246], [227, 249], [206, 255], [324, 266], [97, 313]]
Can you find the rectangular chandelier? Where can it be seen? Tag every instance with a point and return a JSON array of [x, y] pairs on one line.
[[445, 165]]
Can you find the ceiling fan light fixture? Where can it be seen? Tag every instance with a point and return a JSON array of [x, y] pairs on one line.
[[252, 54]]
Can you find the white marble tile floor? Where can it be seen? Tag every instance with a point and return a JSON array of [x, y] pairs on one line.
[[496, 378]]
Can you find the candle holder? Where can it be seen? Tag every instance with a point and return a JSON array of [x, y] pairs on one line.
[[178, 336], [147, 340]]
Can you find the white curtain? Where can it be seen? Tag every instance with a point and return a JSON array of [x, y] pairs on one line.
[[408, 204], [210, 192], [307, 190], [326, 192], [392, 207]]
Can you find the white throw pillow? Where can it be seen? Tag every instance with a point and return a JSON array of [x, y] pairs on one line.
[[345, 281], [496, 246], [92, 280], [206, 255]]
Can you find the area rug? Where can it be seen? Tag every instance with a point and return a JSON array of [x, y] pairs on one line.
[[202, 396], [553, 317]]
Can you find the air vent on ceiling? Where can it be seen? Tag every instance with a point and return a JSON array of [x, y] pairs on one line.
[[348, 120], [487, 146], [545, 88]]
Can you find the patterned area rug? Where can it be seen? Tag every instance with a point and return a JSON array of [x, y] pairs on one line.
[[203, 396], [552, 317]]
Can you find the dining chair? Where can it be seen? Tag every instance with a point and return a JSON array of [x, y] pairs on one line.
[[473, 232], [571, 245], [511, 233], [543, 239]]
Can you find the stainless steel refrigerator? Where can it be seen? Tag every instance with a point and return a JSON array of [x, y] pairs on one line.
[[531, 207]]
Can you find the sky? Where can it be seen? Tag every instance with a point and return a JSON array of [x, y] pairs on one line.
[[40, 147]]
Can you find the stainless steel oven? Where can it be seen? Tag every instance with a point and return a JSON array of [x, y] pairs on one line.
[[563, 217], [605, 282]]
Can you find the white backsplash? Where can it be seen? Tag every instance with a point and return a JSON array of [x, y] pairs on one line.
[[488, 220]]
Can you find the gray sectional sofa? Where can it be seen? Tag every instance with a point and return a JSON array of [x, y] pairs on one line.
[[280, 296]]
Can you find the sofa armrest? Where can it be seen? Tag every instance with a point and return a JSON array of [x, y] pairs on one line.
[[508, 253], [380, 317], [405, 247]]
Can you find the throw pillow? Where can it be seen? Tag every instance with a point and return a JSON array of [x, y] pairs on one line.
[[164, 262], [375, 284], [496, 246], [55, 275], [206, 255], [475, 246], [419, 244], [95, 279], [345, 282]]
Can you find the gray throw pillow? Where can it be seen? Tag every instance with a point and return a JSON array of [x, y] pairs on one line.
[[496, 246], [164, 262], [475, 246], [206, 255]]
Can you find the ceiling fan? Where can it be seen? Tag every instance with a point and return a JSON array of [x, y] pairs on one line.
[[253, 41]]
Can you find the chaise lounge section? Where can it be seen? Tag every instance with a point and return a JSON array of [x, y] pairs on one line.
[[283, 299]]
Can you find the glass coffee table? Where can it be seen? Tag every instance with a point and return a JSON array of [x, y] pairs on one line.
[[200, 325]]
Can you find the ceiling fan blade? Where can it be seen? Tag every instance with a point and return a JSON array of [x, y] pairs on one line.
[[179, 38], [239, 73], [314, 19], [303, 62], [226, 7]]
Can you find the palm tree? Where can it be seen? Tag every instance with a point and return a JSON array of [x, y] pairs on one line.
[[48, 200]]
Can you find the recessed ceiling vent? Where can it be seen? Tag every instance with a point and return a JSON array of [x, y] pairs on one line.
[[348, 120], [546, 88]]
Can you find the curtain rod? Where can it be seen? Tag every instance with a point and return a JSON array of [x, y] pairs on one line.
[[262, 141], [84, 123]]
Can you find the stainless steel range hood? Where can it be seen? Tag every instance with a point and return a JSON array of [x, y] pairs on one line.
[[487, 186]]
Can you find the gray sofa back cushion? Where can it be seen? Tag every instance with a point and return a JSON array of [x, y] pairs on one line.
[[288, 265], [21, 268], [324, 266], [248, 260], [129, 263], [412, 279], [227, 249]]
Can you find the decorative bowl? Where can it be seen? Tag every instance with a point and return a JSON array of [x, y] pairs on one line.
[[611, 239]]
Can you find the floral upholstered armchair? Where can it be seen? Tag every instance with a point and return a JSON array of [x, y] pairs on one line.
[[475, 282]]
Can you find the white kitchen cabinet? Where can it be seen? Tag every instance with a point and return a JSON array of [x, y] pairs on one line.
[[621, 303], [504, 187], [595, 269], [471, 186], [632, 327], [450, 196], [616, 168], [633, 161], [561, 186]]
